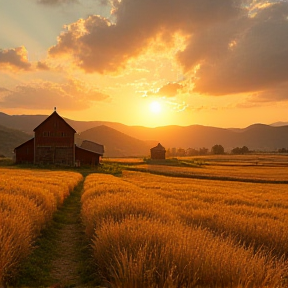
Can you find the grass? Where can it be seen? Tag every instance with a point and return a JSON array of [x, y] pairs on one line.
[[149, 230], [36, 270], [28, 200], [255, 173], [249, 212], [6, 162], [156, 231], [178, 162]]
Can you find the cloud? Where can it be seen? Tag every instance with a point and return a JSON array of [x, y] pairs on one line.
[[275, 94], [73, 95], [2, 89], [100, 45], [42, 66], [250, 54], [168, 90], [231, 47], [14, 59], [56, 2]]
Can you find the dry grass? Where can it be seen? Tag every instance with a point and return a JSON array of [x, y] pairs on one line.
[[28, 200], [240, 172], [159, 231], [125, 161]]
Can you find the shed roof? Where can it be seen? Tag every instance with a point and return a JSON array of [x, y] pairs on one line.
[[93, 147], [93, 152], [159, 147], [32, 140], [52, 115]]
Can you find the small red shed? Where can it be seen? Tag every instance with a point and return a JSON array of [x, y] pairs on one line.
[[158, 152], [25, 152]]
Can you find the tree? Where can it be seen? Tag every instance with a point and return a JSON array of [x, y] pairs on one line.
[[238, 150], [217, 149], [192, 152], [168, 152], [181, 152], [203, 151]]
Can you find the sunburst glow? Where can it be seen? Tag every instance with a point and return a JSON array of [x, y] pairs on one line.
[[155, 107]]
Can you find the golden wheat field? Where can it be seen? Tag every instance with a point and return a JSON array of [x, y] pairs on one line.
[[254, 173], [28, 199], [158, 231]]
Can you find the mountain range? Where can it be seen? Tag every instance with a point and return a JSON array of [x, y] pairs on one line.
[[122, 140]]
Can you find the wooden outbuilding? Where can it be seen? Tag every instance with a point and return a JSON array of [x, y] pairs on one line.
[[25, 152], [158, 152], [54, 143], [89, 153]]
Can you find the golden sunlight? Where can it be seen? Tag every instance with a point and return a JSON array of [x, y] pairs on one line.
[[155, 107]]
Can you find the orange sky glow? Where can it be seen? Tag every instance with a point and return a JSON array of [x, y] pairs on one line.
[[221, 63]]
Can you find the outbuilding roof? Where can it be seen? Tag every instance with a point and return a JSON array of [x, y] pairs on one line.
[[158, 147], [32, 140], [92, 146]]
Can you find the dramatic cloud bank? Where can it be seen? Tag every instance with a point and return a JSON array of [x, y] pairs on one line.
[[99, 45], [253, 57], [230, 47]]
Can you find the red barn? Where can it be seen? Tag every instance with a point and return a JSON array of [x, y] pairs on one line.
[[54, 144]]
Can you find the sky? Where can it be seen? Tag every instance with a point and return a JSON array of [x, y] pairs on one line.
[[221, 63]]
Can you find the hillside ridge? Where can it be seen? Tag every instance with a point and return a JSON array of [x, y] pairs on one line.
[[122, 140]]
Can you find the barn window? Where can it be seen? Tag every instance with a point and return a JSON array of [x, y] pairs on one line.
[[45, 134]]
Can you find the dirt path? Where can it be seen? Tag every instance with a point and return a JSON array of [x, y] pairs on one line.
[[62, 255], [67, 265]]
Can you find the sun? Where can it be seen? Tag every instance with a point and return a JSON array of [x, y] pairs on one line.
[[155, 107]]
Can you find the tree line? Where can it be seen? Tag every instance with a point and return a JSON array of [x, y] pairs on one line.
[[217, 149]]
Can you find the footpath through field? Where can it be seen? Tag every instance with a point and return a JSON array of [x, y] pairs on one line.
[[66, 265], [63, 251]]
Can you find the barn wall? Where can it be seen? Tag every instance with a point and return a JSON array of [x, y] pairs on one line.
[[158, 154], [85, 157], [25, 152], [54, 142]]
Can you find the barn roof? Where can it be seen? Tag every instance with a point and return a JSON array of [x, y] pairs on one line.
[[159, 147], [93, 147], [52, 115], [23, 144]]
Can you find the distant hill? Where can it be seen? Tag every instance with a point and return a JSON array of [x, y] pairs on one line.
[[27, 123], [116, 144], [255, 137], [277, 124], [9, 139]]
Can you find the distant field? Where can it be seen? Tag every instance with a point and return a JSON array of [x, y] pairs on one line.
[[254, 168], [178, 232], [123, 160]]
